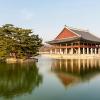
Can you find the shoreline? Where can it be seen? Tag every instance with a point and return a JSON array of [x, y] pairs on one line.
[[15, 60]]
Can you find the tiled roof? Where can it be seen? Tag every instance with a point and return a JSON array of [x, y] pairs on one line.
[[81, 35], [86, 35]]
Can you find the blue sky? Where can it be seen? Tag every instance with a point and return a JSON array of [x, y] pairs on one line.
[[48, 17]]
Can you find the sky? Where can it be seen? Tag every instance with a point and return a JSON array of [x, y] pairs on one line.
[[48, 17]]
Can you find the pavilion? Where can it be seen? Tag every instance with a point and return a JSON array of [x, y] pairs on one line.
[[73, 41]]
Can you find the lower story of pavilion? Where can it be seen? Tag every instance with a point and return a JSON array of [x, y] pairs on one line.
[[74, 50]]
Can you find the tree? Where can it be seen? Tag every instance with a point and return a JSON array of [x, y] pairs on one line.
[[18, 42]]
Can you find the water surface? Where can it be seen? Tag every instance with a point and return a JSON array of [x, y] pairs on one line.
[[51, 79]]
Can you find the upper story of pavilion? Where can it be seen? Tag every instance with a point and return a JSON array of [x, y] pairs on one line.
[[76, 41], [75, 37]]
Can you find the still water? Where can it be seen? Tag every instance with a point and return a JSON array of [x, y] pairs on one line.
[[51, 79]]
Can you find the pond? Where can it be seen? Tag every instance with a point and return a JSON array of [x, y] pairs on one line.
[[51, 79]]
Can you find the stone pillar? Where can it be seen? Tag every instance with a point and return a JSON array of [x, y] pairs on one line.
[[87, 50], [71, 50], [98, 50], [55, 51], [60, 51], [66, 50], [79, 51], [83, 50], [95, 50], [91, 51], [50, 51]]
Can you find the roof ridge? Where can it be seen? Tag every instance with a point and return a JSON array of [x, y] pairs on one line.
[[73, 28]]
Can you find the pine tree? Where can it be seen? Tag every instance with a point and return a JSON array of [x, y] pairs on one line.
[[18, 42]]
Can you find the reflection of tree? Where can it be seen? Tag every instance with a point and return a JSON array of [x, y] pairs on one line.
[[16, 79], [73, 70]]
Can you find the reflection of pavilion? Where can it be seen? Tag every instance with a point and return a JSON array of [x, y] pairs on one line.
[[74, 70]]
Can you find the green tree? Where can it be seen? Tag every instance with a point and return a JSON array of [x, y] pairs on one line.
[[18, 42]]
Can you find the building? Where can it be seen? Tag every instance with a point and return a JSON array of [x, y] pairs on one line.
[[72, 41]]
